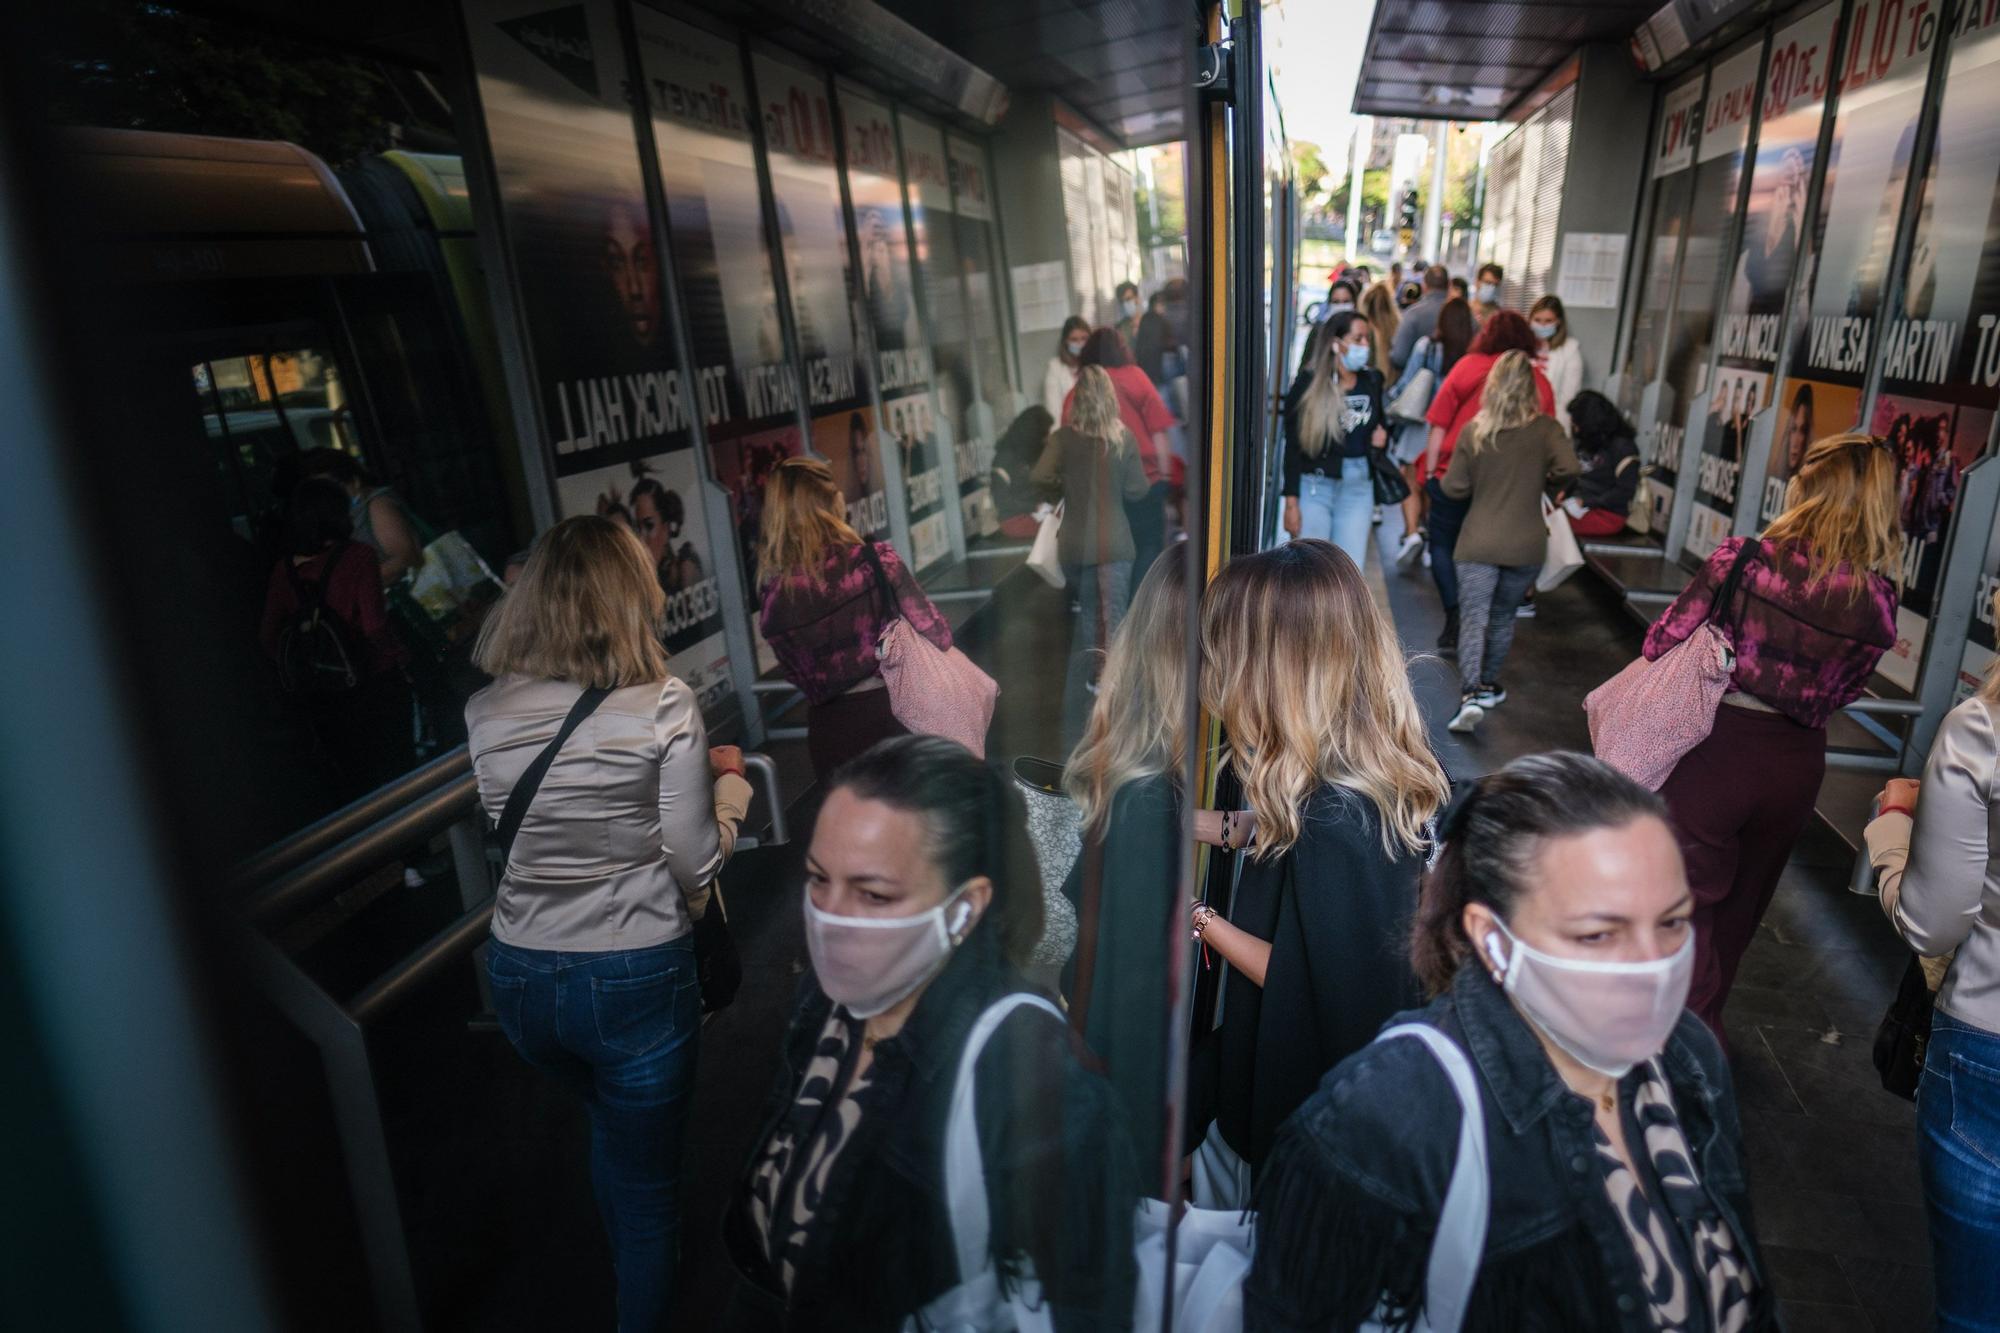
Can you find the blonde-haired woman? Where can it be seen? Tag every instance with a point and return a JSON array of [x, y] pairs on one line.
[[1124, 778], [1323, 733], [1504, 458], [1814, 612], [1333, 417], [826, 597], [1378, 307], [1933, 847], [628, 818], [1091, 463]]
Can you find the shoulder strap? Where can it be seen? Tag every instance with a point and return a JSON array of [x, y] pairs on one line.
[[1725, 596], [892, 605], [530, 781], [964, 1165], [1460, 1241]]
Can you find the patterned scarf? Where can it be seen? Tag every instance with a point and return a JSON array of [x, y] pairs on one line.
[[1720, 1267]]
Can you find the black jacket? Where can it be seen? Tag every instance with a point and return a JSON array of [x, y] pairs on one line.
[[1350, 1200], [1364, 413], [1610, 474], [1059, 1173], [1336, 909]]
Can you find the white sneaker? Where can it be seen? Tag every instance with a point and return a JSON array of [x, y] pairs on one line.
[[1427, 557], [1413, 542], [1468, 718]]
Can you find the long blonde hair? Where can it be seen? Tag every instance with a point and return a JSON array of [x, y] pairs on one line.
[[803, 518], [588, 609], [1378, 306], [1307, 678], [1320, 421], [1840, 507], [1094, 410], [1507, 400], [1138, 726]]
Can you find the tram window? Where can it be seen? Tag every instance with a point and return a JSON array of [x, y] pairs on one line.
[[260, 411]]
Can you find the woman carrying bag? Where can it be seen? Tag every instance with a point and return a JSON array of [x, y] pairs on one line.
[[1335, 422], [1813, 611]]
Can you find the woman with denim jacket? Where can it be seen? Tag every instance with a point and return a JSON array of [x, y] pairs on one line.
[[1934, 848], [1813, 613], [1553, 931], [921, 902]]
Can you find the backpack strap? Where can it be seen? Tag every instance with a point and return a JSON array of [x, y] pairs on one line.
[[1460, 1240], [964, 1164], [523, 795]]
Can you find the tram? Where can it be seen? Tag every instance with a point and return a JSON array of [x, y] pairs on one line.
[[852, 234]]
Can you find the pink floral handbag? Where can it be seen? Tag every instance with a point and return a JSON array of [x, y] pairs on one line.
[[933, 691], [1645, 718]]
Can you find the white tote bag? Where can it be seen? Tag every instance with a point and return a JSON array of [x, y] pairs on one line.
[[1042, 558], [1562, 557]]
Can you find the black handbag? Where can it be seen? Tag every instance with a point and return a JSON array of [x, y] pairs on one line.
[[1390, 486], [717, 964], [1905, 1033]]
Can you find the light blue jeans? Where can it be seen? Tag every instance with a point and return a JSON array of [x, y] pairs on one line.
[[1340, 511]]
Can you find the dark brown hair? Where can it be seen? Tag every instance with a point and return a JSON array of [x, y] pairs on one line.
[[977, 822], [1492, 834], [1455, 329]]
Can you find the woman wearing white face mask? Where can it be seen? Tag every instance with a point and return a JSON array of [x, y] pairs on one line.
[[1553, 930], [1334, 416], [921, 900], [1560, 357], [1060, 377]]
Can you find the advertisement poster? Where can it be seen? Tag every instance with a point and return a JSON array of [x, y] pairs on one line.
[[1727, 113], [1671, 169], [889, 292], [566, 153], [935, 231], [973, 203], [1868, 166], [1936, 401], [1797, 77], [847, 441], [1980, 646], [742, 466], [910, 427], [659, 499]]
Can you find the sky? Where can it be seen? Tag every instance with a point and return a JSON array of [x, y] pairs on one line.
[[1314, 50]]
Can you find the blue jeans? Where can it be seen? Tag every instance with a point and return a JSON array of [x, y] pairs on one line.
[[1447, 516], [1102, 592], [1958, 1156], [620, 1030], [1339, 510]]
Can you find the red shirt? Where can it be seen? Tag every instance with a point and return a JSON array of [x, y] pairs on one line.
[[1457, 402], [1143, 412], [353, 594]]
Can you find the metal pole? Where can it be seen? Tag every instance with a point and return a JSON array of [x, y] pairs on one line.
[[1364, 132], [1434, 205]]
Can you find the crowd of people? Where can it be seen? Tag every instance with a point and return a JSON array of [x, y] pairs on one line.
[[951, 1143]]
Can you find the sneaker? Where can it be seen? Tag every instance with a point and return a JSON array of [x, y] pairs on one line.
[[1448, 637], [1377, 520], [1489, 697], [1468, 717], [1412, 543], [1525, 611], [1427, 557]]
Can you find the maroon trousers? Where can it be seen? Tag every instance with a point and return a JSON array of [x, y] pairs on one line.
[[1739, 802], [845, 727]]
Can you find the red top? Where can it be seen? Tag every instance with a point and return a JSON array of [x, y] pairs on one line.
[[1143, 412], [353, 594], [1457, 402]]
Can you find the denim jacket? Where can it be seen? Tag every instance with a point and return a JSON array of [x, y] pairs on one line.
[[1060, 1176], [1349, 1200]]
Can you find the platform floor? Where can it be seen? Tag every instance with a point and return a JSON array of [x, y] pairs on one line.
[[1832, 1157]]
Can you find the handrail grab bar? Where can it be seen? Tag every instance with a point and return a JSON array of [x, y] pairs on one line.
[[333, 870], [293, 851]]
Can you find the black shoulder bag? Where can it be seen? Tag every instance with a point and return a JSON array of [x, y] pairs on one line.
[[1905, 1031], [501, 836]]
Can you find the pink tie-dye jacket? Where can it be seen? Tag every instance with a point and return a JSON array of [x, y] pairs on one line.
[[824, 625]]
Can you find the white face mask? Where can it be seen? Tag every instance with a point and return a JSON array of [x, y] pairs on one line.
[[1609, 1016], [1354, 358], [1335, 307], [1544, 331], [1129, 306], [871, 964], [1075, 348], [1487, 292]]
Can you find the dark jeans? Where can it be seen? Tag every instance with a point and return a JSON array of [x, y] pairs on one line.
[[1446, 518], [1148, 517], [1958, 1155], [620, 1030], [1739, 802], [847, 726]]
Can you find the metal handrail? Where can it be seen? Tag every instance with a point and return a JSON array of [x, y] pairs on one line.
[[460, 937], [289, 853], [339, 866]]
